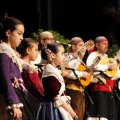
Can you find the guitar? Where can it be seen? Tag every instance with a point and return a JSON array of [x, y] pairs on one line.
[[111, 73], [88, 45], [82, 67]]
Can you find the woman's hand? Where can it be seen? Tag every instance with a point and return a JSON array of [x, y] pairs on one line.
[[17, 114]]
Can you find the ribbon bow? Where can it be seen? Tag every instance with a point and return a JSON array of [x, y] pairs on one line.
[[18, 83]]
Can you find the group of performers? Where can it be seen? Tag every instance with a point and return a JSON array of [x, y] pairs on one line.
[[92, 92], [66, 88]]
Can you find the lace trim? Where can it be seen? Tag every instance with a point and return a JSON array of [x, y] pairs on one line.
[[5, 48], [31, 68], [14, 106], [61, 100], [50, 70]]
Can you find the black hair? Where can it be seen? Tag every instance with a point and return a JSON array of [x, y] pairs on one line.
[[53, 47], [25, 43], [8, 23]]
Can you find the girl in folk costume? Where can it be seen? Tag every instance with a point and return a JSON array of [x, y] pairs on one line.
[[30, 73], [74, 90], [54, 86], [102, 93], [15, 102]]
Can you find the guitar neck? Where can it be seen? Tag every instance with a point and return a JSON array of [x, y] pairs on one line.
[[95, 62], [91, 67]]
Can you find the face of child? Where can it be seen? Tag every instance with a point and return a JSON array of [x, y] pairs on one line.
[[33, 52], [59, 57], [15, 37]]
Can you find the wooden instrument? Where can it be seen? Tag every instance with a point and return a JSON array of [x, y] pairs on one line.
[[111, 73], [88, 45], [82, 67]]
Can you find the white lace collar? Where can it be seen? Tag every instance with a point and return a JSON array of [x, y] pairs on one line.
[[5, 48], [30, 67], [50, 70]]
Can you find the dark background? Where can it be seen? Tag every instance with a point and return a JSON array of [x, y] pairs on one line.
[[85, 18]]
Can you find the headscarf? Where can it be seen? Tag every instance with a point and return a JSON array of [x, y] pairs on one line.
[[100, 39]]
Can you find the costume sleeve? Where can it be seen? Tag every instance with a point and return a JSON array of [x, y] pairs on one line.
[[74, 64], [90, 61], [5, 80], [102, 67], [33, 84]]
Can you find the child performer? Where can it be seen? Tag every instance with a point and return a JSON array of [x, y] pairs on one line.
[[15, 102], [53, 83], [31, 74]]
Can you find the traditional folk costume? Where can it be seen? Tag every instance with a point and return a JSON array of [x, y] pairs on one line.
[[12, 90], [102, 93], [54, 86], [73, 87], [32, 80]]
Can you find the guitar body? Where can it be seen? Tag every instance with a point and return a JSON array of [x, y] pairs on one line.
[[85, 82], [109, 73]]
